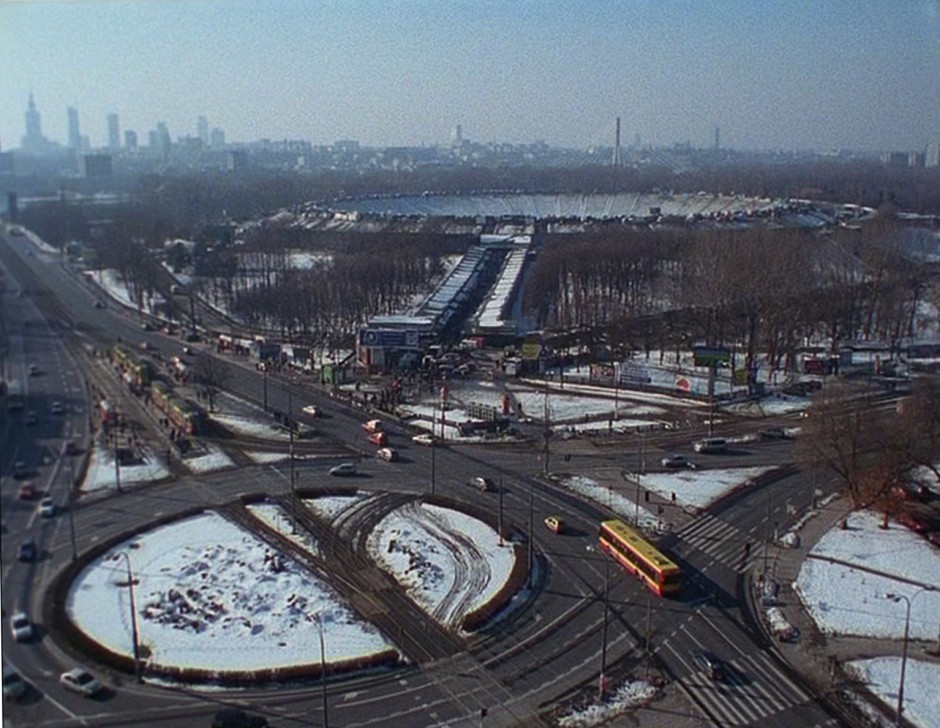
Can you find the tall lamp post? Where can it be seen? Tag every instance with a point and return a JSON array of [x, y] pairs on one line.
[[134, 635], [893, 597]]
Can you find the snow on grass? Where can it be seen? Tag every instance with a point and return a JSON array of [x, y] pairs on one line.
[[617, 502], [263, 458], [882, 675], [281, 520], [698, 488], [213, 460], [101, 472], [210, 595], [251, 427], [449, 563], [844, 600], [331, 506], [627, 697]]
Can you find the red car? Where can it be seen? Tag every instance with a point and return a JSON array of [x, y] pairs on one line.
[[27, 491], [378, 438]]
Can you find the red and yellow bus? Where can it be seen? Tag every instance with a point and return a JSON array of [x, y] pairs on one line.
[[640, 557]]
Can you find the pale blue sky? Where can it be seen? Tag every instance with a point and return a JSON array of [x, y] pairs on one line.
[[795, 75]]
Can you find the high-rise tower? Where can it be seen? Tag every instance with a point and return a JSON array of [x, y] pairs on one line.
[[75, 134], [34, 141], [618, 155], [202, 130], [114, 132]]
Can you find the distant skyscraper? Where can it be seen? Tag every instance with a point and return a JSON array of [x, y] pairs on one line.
[[202, 130], [130, 140], [114, 132], [932, 155], [75, 134], [618, 159], [34, 141], [456, 136], [717, 138], [217, 138]]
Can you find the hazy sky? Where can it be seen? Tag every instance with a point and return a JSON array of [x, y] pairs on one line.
[[862, 74]]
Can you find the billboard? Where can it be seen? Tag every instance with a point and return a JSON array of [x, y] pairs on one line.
[[389, 338], [710, 356]]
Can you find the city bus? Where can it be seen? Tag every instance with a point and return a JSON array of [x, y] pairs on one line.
[[640, 557]]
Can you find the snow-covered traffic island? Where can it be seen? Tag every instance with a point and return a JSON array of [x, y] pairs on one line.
[[214, 602]]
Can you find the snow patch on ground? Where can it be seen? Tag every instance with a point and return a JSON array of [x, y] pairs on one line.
[[698, 488], [101, 472], [844, 600], [617, 502], [882, 675], [450, 563], [210, 595], [251, 427], [331, 506], [280, 520], [628, 696], [213, 460]]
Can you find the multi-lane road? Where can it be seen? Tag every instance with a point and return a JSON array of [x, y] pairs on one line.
[[549, 647]]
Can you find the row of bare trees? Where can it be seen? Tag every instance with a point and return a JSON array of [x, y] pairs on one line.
[[763, 290]]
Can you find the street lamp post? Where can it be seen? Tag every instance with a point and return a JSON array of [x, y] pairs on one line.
[[891, 596], [134, 635]]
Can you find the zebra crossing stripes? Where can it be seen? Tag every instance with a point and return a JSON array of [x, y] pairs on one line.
[[722, 542], [754, 689]]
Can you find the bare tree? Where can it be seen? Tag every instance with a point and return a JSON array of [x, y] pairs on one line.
[[212, 376]]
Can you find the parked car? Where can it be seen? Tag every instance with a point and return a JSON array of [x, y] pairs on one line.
[[388, 454], [555, 524], [80, 681], [378, 438], [713, 667], [13, 685], [711, 445], [235, 718], [27, 491], [343, 469], [676, 461], [27, 551], [21, 627], [47, 507], [484, 484], [424, 439]]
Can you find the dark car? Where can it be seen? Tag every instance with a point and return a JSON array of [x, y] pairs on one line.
[[774, 433], [235, 718], [713, 667], [676, 461], [27, 551]]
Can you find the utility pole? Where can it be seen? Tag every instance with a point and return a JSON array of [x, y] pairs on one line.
[[499, 515], [293, 474], [134, 634], [602, 681], [531, 534], [71, 505], [433, 460]]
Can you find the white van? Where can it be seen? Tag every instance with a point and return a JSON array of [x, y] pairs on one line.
[[711, 445]]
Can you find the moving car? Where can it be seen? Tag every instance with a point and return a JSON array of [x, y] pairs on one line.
[[235, 718], [774, 433], [713, 667], [20, 471], [372, 426], [484, 484], [57, 408], [343, 469], [13, 685], [21, 627], [312, 410], [388, 454], [424, 439], [554, 524], [378, 438], [27, 491], [47, 507], [27, 551], [676, 461], [33, 370], [711, 445], [31, 417], [79, 680]]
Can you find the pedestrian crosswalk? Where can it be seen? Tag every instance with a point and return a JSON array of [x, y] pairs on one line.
[[753, 689], [722, 542]]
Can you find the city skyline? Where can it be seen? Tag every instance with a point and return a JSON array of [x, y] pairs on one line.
[[788, 76]]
